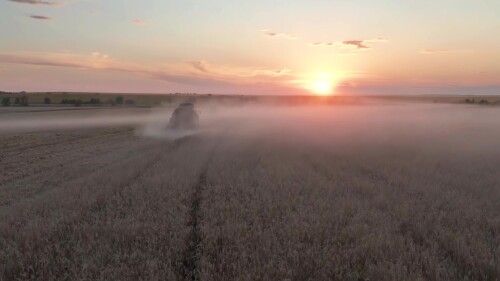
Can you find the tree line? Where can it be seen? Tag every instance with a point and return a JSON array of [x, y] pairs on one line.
[[24, 101]]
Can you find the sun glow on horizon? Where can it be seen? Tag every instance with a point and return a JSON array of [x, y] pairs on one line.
[[322, 87], [322, 84]]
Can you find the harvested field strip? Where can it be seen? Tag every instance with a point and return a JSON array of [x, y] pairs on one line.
[[42, 110], [16, 148], [59, 228], [76, 166], [142, 217], [28, 164], [92, 183]]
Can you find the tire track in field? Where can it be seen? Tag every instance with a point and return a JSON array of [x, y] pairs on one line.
[[190, 266]]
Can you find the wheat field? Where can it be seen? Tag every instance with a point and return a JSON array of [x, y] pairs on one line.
[[337, 193]]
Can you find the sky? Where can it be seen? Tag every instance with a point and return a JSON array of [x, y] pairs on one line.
[[261, 47]]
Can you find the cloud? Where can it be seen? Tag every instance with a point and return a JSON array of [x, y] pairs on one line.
[[40, 17], [275, 34], [358, 44], [272, 72], [350, 44], [94, 60], [38, 2], [441, 51], [200, 65], [139, 22], [322, 44], [99, 55], [172, 72]]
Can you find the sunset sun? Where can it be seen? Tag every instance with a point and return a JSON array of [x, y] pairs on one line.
[[321, 84], [322, 87]]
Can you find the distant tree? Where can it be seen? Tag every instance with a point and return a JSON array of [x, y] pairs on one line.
[[119, 100], [6, 101], [130, 102], [484, 102], [17, 101], [111, 102], [47, 100], [78, 102], [24, 101], [95, 101]]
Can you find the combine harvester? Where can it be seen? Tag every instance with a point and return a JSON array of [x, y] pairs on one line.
[[184, 118]]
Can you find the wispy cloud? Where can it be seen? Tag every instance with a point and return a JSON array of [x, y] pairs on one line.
[[323, 44], [172, 72], [441, 51], [38, 2], [40, 17], [270, 33], [139, 22], [272, 72], [94, 60], [350, 44], [200, 65]]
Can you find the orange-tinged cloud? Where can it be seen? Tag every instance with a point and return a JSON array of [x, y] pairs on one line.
[[359, 44], [350, 44], [194, 72]]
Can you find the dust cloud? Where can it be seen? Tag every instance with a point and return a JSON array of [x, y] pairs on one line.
[[442, 125], [447, 125]]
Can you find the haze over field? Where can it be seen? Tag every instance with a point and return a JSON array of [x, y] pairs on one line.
[[214, 140], [463, 127], [251, 47]]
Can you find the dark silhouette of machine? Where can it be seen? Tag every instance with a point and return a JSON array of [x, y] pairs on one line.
[[184, 117]]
